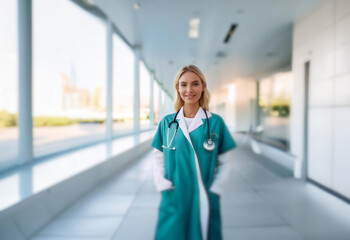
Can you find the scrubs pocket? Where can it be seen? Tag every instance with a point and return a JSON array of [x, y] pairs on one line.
[[214, 201], [169, 164], [214, 194], [167, 203]]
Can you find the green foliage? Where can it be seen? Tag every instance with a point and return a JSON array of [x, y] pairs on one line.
[[43, 121], [283, 110], [7, 119]]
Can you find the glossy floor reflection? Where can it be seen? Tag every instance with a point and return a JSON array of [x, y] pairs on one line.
[[259, 203]]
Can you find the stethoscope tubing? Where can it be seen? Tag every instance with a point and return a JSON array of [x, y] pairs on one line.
[[208, 142]]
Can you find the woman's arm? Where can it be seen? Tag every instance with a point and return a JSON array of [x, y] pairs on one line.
[[160, 181], [222, 173]]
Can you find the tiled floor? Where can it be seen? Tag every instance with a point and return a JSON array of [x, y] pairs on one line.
[[259, 203]]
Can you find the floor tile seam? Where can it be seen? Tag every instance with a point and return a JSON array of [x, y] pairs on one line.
[[139, 207], [276, 211], [85, 195], [90, 217], [57, 216], [128, 211], [256, 226], [70, 236], [264, 199], [251, 156], [60, 236]]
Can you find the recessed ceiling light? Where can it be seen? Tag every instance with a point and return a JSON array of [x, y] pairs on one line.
[[193, 33], [137, 6], [194, 28], [194, 22]]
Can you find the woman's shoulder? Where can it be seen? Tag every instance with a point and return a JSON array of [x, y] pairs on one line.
[[216, 116], [168, 117]]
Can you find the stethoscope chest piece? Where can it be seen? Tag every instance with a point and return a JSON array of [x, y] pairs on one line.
[[209, 145]]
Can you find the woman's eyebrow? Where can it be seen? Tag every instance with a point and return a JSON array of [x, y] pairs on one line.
[[190, 82]]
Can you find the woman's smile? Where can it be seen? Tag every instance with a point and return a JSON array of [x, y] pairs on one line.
[[190, 96]]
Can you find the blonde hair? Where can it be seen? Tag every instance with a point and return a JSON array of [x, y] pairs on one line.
[[204, 100]]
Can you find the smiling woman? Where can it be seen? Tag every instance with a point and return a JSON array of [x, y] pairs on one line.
[[187, 172]]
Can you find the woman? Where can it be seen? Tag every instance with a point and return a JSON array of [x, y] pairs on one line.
[[188, 170]]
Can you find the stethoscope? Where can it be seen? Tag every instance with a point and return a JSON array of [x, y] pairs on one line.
[[208, 144]]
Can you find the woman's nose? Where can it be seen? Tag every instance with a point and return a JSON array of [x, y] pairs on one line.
[[189, 89]]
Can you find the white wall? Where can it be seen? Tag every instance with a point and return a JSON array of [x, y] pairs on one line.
[[323, 37], [236, 98]]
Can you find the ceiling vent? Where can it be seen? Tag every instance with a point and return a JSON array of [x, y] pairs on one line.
[[220, 55], [230, 33]]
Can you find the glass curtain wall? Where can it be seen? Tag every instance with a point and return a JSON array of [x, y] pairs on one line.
[[156, 103], [123, 87], [8, 83], [274, 103], [145, 86], [69, 76], [69, 80]]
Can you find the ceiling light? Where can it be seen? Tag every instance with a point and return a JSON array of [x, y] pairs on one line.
[[194, 22], [193, 33], [194, 28], [137, 6]]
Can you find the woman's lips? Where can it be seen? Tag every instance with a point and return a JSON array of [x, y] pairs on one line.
[[189, 96]]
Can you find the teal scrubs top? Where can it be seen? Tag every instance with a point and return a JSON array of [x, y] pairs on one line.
[[189, 210]]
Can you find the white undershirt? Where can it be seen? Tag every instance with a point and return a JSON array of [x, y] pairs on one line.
[[188, 121]]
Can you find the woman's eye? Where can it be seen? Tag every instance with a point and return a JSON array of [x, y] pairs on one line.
[[196, 84], [183, 85]]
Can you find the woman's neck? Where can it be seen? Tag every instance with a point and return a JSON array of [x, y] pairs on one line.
[[190, 110]]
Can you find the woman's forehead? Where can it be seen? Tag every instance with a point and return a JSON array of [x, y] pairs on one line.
[[189, 77]]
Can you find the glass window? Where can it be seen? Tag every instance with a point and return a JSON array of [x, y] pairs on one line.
[[274, 103], [8, 83], [69, 77], [156, 103], [145, 82], [123, 87]]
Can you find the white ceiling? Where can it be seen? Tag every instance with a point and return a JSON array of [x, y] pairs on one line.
[[261, 43]]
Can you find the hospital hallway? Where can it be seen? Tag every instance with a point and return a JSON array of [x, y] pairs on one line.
[[89, 88], [261, 201]]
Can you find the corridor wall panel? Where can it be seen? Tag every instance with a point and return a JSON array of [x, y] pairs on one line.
[[320, 94], [320, 145], [322, 37], [341, 149]]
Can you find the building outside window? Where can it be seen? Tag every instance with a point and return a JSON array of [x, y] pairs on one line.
[[274, 104], [8, 83], [156, 103], [123, 87], [145, 84], [69, 76]]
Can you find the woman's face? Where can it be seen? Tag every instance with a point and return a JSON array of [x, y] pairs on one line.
[[190, 87]]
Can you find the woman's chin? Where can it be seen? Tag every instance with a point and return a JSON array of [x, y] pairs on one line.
[[192, 101]]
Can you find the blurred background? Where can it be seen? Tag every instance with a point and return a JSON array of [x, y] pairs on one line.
[[84, 83]]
